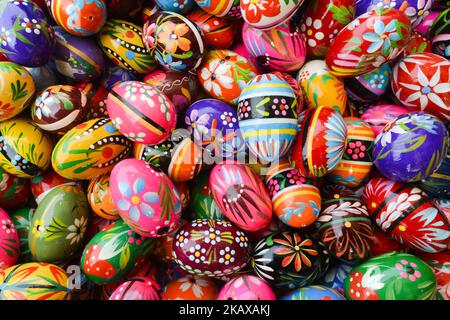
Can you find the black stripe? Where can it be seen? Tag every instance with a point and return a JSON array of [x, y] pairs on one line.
[[388, 199], [406, 213]]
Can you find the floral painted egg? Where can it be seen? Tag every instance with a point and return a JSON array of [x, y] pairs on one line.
[[191, 287], [214, 126], [181, 88], [213, 248], [438, 184], [241, 196], [176, 42], [22, 221], [27, 38], [377, 117], [246, 287], [369, 87], [289, 260], [281, 48], [217, 31], [44, 182], [295, 200], [268, 14], [112, 253], [77, 58], [90, 149], [421, 82], [44, 281], [439, 34], [415, 10], [141, 112], [407, 214], [335, 276], [314, 293], [43, 76], [16, 89], [267, 113], [356, 162], [59, 108], [368, 42], [382, 243], [137, 288], [224, 74], [24, 148], [180, 158], [9, 242], [411, 147], [219, 8], [344, 226], [81, 18], [146, 199], [322, 21], [100, 199], [203, 205], [391, 276], [122, 43], [115, 74], [320, 87], [440, 263], [58, 226], [320, 143], [14, 191]]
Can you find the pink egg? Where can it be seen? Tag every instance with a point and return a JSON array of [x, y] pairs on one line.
[[379, 116], [246, 287], [137, 288], [146, 199], [9, 242]]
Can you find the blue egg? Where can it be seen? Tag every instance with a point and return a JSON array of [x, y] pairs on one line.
[[178, 6], [314, 293]]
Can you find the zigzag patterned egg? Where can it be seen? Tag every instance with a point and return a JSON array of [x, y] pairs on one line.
[[9, 242], [90, 149]]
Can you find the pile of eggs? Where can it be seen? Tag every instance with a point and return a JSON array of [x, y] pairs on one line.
[[252, 149]]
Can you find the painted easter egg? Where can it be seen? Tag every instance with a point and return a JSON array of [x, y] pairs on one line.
[[58, 226], [407, 214], [382, 243], [424, 27], [295, 200], [217, 31], [27, 38], [320, 143], [9, 242], [219, 8], [411, 147], [80, 18], [45, 181], [141, 112], [137, 288], [241, 196], [24, 148], [181, 88], [320, 87], [368, 42], [268, 14], [59, 108], [289, 260], [176, 42], [369, 87], [147, 200], [203, 205], [115, 74], [22, 221], [112, 253], [90, 149], [122, 43], [16, 89], [191, 287], [335, 276], [246, 287], [356, 163], [100, 199], [440, 34], [421, 82], [77, 58], [281, 48], [14, 191], [322, 21], [344, 226], [43, 76], [213, 248], [438, 184], [377, 117], [414, 10], [391, 276], [178, 6], [163, 249], [97, 104], [44, 281], [440, 263], [214, 126], [417, 43], [224, 73], [267, 112], [314, 293]]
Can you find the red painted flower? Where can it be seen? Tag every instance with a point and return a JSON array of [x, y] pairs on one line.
[[295, 249], [255, 9]]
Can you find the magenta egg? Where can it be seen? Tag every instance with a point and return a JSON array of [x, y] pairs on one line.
[[137, 288], [9, 242], [379, 116], [146, 199], [246, 287]]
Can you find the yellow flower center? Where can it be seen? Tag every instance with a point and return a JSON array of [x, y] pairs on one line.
[[227, 256], [402, 228], [212, 236], [383, 36], [309, 32], [297, 248], [135, 200], [347, 224]]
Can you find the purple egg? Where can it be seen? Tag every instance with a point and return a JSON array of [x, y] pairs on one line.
[[77, 58], [26, 37], [116, 74]]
